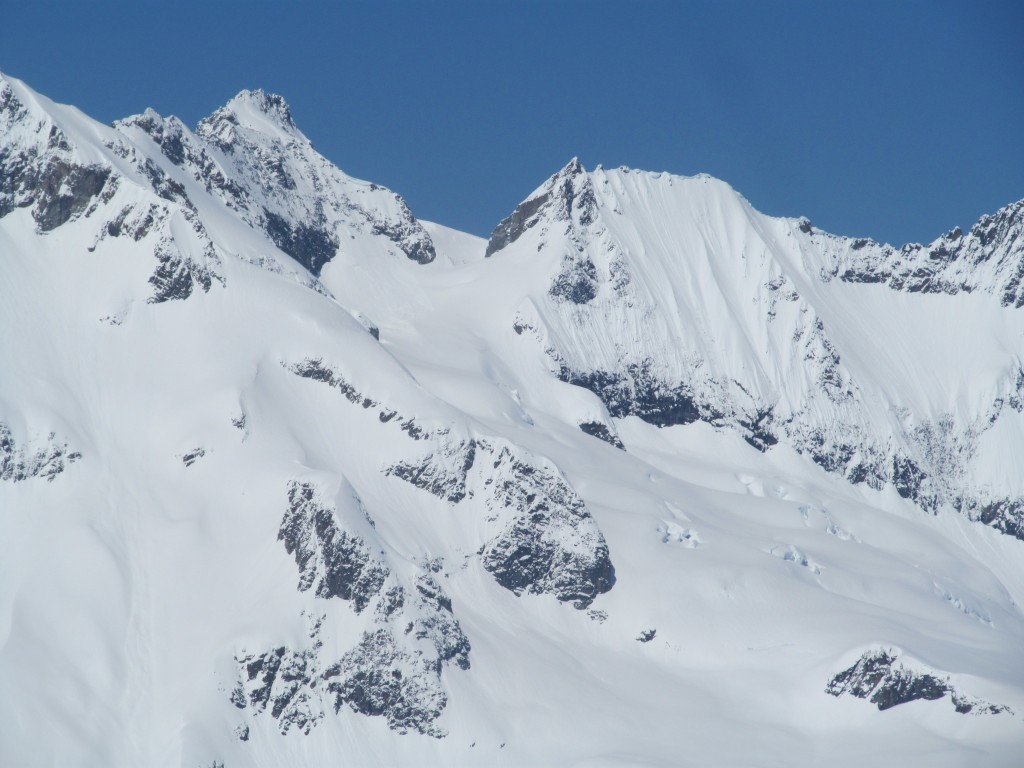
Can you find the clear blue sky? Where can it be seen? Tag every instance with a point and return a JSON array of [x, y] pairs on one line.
[[896, 120]]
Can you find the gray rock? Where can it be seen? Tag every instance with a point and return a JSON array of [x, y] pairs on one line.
[[549, 542], [601, 431], [19, 463], [883, 679], [331, 562], [379, 679], [283, 682]]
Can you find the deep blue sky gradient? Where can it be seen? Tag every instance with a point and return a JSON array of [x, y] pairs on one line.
[[895, 120]]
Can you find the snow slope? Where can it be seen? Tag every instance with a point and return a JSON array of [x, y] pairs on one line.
[[288, 477]]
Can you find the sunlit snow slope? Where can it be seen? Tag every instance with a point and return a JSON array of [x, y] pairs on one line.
[[289, 477]]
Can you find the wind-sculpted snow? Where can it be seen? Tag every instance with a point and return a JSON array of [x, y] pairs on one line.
[[672, 300], [887, 679], [23, 462]]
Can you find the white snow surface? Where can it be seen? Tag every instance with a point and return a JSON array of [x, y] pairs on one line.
[[132, 581]]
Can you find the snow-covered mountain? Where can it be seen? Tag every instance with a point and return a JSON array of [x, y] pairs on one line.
[[290, 477]]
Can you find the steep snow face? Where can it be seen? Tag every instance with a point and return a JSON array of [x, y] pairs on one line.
[[553, 499], [673, 300]]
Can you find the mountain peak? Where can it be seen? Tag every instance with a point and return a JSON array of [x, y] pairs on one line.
[[256, 111], [269, 105], [569, 188], [573, 168]]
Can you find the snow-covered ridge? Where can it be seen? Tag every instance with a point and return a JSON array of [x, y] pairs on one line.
[[673, 300], [248, 157], [286, 474], [987, 259]]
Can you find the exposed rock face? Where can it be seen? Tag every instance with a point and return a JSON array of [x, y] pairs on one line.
[[637, 392], [379, 678], [280, 679], [1005, 515], [443, 471], [317, 370], [989, 258], [63, 191], [310, 245], [576, 282], [251, 156], [882, 678], [602, 432], [544, 540], [284, 188], [18, 463], [567, 195], [393, 671], [619, 319], [548, 541], [437, 624], [331, 562], [178, 274], [191, 457], [511, 227], [38, 169]]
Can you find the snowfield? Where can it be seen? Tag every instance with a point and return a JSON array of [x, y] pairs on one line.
[[290, 477]]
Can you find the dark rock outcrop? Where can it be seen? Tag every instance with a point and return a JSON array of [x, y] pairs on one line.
[[549, 542], [177, 275], [62, 191], [576, 282], [282, 681], [285, 189], [512, 226], [40, 171], [331, 562], [885, 681], [989, 258], [437, 624], [18, 463], [394, 671], [378, 678], [601, 431], [310, 245], [637, 392], [443, 471], [568, 196]]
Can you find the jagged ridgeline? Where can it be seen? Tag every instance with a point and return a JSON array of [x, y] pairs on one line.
[[291, 477], [673, 301]]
